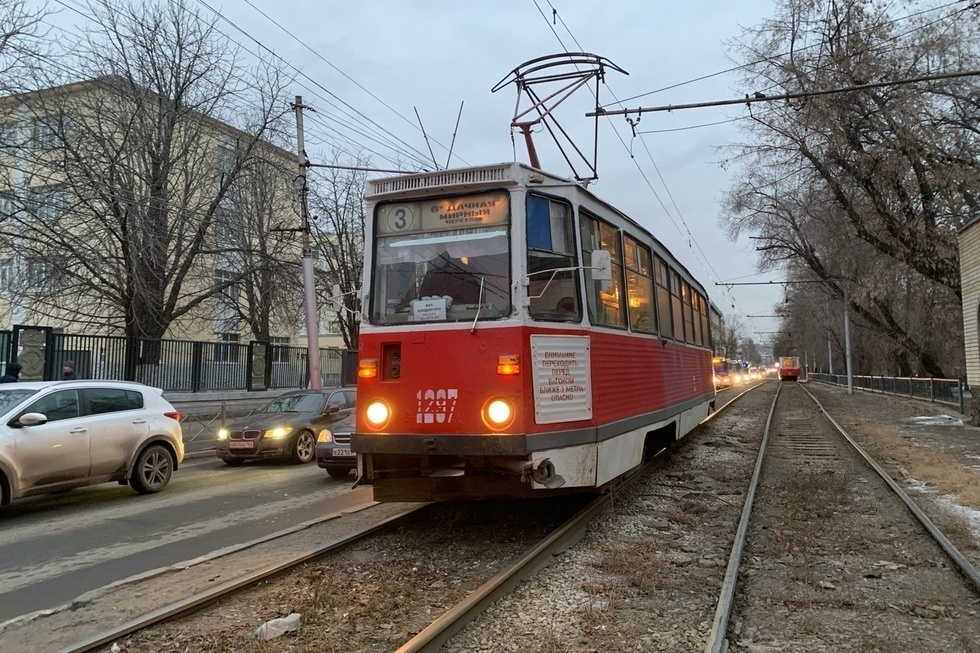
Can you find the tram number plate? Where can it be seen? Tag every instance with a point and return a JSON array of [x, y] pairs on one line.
[[338, 453], [237, 444]]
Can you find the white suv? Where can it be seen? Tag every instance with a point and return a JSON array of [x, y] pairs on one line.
[[58, 435]]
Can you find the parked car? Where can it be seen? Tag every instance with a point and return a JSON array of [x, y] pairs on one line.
[[287, 427], [59, 435], [333, 448]]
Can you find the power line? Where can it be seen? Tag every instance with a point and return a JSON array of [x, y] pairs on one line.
[[313, 81], [785, 54], [352, 80], [759, 97], [703, 260]]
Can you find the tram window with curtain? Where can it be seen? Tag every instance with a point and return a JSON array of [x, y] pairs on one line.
[[686, 299], [605, 298], [675, 306], [639, 286], [551, 246], [663, 299]]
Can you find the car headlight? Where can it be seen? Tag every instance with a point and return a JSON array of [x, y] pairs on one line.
[[278, 432], [325, 436], [222, 434]]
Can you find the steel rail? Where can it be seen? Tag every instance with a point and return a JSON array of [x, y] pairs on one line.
[[719, 627], [212, 594], [967, 569], [433, 637]]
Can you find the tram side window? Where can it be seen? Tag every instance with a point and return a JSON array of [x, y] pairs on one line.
[[551, 246], [686, 297], [639, 286], [663, 299], [696, 304], [675, 306], [605, 298], [705, 330]]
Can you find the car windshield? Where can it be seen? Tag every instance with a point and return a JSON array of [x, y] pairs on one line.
[[9, 398], [301, 403]]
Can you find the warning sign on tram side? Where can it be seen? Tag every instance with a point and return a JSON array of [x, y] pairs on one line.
[[562, 377]]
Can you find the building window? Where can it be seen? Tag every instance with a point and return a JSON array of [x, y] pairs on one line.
[[43, 276], [8, 205], [280, 349], [639, 287], [226, 350], [226, 158], [553, 296], [50, 132], [227, 228], [9, 136], [49, 202], [6, 274], [227, 295]]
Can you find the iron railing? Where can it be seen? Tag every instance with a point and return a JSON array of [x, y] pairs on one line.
[[944, 391], [185, 365]]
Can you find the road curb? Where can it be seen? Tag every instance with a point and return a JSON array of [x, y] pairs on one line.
[[193, 455]]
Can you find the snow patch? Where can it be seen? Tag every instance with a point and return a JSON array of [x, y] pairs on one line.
[[936, 420], [972, 515]]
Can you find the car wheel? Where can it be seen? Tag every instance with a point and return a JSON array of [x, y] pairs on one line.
[[233, 462], [338, 472], [153, 470], [304, 447]]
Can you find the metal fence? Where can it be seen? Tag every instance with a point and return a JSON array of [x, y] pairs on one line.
[[176, 365], [944, 391]]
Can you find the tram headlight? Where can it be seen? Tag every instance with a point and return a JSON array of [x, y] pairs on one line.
[[498, 413], [377, 413]]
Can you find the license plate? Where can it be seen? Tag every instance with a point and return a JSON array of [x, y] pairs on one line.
[[338, 453], [238, 444]]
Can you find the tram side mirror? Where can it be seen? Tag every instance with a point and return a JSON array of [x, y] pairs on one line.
[[601, 265]]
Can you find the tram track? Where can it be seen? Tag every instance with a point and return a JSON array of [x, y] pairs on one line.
[[803, 449], [432, 636]]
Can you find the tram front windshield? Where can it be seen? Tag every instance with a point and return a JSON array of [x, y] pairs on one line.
[[442, 260]]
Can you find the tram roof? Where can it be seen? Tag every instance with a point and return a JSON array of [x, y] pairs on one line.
[[496, 175]]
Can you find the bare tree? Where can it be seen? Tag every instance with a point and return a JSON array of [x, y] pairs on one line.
[[144, 157], [863, 190], [729, 337], [21, 43], [338, 205], [258, 245]]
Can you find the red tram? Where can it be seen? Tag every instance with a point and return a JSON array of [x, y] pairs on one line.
[[789, 368], [519, 335]]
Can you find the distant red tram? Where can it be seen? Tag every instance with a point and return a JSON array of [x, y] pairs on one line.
[[519, 335], [789, 368]]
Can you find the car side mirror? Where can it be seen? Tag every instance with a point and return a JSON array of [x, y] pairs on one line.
[[333, 408], [32, 419]]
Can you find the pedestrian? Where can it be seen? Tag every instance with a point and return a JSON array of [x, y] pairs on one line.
[[12, 373], [68, 371]]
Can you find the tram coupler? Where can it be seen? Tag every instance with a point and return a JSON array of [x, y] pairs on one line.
[[539, 470]]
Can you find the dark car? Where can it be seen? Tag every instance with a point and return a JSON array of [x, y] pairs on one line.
[[333, 448], [287, 427]]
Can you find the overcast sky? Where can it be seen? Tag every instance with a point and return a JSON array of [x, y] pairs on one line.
[[434, 54]]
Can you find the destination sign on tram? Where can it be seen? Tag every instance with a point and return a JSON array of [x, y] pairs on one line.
[[463, 212]]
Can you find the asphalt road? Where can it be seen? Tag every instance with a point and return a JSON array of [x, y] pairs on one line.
[[54, 548]]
